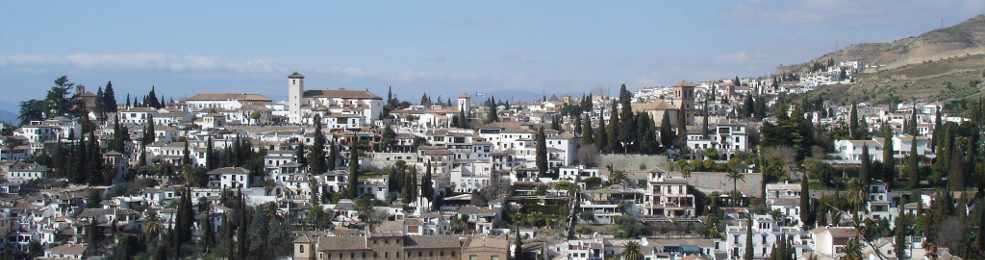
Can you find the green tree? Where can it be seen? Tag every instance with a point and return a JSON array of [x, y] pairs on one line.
[[735, 176], [666, 135], [682, 130], [806, 214], [109, 98], [631, 251], [333, 154], [888, 161], [913, 167], [316, 157], [603, 137], [864, 174], [586, 131], [518, 246], [749, 253], [388, 140], [353, 187], [705, 132], [427, 185], [492, 115], [541, 152], [613, 130], [853, 125]]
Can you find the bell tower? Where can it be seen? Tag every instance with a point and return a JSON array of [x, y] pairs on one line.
[[684, 100], [295, 91]]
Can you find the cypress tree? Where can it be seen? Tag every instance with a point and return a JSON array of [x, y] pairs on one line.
[[518, 249], [704, 122], [541, 153], [299, 154], [913, 166], [956, 173], [316, 160], [603, 138], [864, 173], [210, 158], [666, 135], [353, 172], [748, 254], [627, 122], [427, 186], [577, 123], [888, 161], [806, 214], [333, 154], [682, 130], [109, 98], [492, 116], [613, 126], [586, 131], [853, 126]]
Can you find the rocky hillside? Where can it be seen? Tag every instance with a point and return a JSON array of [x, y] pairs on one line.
[[966, 38]]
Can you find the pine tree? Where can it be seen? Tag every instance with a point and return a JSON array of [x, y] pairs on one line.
[[353, 172], [541, 153], [316, 159]]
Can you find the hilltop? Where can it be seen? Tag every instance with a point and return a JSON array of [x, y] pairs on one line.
[[939, 65], [961, 39]]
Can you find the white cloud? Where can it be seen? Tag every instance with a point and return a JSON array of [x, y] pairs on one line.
[[146, 61], [835, 13], [741, 57]]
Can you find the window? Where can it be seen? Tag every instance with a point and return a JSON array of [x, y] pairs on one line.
[[473, 257], [420, 253], [301, 248], [495, 257], [452, 253], [431, 253]]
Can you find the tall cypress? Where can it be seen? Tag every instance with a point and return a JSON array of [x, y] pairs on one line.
[[603, 138], [210, 155], [666, 135], [913, 166], [427, 186], [333, 155], [682, 129], [613, 126], [109, 98], [806, 214], [586, 131], [888, 161], [541, 153], [627, 122], [853, 126], [864, 170], [748, 254], [353, 172], [704, 121], [956, 173], [316, 158]]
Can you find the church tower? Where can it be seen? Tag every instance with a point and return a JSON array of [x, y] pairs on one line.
[[464, 103], [684, 100], [295, 92]]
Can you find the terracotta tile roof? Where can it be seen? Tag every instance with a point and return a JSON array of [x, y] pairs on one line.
[[341, 93]]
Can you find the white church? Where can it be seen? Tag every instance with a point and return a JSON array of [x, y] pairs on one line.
[[339, 108]]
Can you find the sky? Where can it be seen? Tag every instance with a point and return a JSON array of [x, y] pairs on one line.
[[510, 49]]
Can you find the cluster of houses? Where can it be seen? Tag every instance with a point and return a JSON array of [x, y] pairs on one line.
[[466, 163]]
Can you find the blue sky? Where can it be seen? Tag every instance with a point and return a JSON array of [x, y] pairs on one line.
[[442, 48]]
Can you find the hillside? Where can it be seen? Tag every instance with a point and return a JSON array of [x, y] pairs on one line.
[[964, 38], [939, 65]]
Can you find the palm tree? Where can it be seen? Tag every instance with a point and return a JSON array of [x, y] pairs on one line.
[[858, 195], [152, 225], [631, 251], [735, 176], [853, 250], [618, 177]]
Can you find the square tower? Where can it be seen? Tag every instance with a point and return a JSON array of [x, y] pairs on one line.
[[464, 102], [295, 93], [684, 100]]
